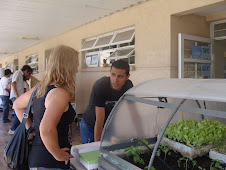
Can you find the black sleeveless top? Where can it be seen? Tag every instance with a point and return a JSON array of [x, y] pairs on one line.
[[39, 155]]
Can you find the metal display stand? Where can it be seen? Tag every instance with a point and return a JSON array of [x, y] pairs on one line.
[[76, 164], [212, 90]]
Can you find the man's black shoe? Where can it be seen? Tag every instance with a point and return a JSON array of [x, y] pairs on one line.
[[6, 121]]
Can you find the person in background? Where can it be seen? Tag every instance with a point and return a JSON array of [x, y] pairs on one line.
[[105, 93], [26, 85], [52, 111], [4, 95], [17, 89]]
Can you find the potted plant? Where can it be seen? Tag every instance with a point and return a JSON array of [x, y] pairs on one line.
[[104, 62]]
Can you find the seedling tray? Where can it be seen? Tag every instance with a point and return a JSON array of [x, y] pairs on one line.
[[185, 150], [90, 159], [217, 156]]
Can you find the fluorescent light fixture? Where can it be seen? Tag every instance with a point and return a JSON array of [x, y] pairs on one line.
[[30, 38]]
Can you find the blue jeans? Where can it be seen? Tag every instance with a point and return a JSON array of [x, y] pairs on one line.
[[86, 132], [16, 121], [5, 102]]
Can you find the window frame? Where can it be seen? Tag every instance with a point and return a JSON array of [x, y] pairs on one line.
[[115, 33], [32, 64], [89, 48], [103, 45], [124, 41], [92, 54], [109, 45], [121, 49], [8, 65], [182, 60]]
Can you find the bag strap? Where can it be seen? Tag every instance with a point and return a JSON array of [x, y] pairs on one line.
[[26, 114]]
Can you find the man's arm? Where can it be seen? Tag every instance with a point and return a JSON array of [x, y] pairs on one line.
[[100, 116], [15, 89], [8, 90], [7, 86]]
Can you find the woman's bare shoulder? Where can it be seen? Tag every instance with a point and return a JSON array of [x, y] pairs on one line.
[[58, 94]]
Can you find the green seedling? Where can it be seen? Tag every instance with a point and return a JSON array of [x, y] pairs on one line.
[[196, 133], [135, 153], [144, 143], [194, 163], [186, 159], [199, 167], [165, 149], [146, 168], [215, 164]]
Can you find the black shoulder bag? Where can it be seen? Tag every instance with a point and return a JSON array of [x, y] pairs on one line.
[[16, 150]]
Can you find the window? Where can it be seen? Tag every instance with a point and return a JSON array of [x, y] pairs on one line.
[[124, 36], [111, 46], [15, 65], [47, 54], [122, 53], [194, 57], [88, 44], [104, 40], [32, 61], [218, 30], [8, 65], [92, 59]]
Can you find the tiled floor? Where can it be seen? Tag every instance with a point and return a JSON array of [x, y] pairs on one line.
[[4, 138]]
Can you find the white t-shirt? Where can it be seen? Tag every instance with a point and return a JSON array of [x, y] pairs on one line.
[[18, 78], [26, 86], [4, 82]]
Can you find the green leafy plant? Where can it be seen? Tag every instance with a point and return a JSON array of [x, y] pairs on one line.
[[165, 149], [199, 167], [135, 153], [146, 168], [220, 145], [186, 159], [142, 142], [215, 164], [196, 133], [194, 163]]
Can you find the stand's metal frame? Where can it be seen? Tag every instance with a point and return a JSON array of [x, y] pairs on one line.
[[109, 160]]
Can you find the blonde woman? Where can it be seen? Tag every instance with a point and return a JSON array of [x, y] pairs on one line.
[[52, 111]]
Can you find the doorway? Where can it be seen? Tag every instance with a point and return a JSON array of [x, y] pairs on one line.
[[201, 57]]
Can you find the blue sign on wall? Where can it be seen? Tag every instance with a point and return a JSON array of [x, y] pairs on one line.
[[196, 51], [205, 52], [205, 70], [201, 52]]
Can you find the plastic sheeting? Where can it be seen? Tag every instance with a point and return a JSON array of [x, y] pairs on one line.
[[196, 89], [138, 115]]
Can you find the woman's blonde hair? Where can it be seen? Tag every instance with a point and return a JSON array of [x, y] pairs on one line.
[[61, 70]]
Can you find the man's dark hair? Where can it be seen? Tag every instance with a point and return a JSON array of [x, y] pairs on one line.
[[121, 64], [28, 68], [7, 72]]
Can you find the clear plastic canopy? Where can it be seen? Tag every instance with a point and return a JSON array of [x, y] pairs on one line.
[[145, 111], [139, 114], [196, 89]]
